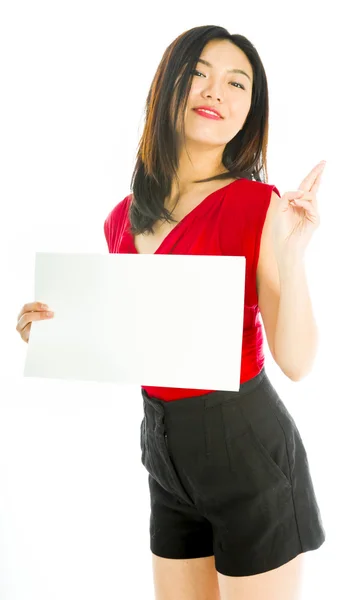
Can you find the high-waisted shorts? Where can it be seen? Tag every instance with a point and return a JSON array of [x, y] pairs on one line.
[[229, 477]]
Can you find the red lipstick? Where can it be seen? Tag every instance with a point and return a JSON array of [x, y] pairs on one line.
[[201, 111]]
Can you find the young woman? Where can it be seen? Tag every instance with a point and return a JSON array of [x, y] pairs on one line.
[[233, 508]]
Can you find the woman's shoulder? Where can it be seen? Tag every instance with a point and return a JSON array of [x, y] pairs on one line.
[[259, 187], [250, 195], [115, 219], [118, 210]]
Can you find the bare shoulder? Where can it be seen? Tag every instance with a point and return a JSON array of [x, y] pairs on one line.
[[267, 276]]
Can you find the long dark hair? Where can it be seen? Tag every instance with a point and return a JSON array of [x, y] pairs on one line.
[[244, 156]]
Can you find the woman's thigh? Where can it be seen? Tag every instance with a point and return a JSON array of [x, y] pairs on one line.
[[283, 583], [197, 579], [185, 579]]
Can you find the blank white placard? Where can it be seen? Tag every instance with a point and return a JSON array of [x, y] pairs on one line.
[[153, 320]]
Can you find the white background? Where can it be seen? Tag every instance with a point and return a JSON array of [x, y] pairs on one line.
[[74, 501]]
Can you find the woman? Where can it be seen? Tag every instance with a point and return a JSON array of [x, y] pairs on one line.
[[233, 508]]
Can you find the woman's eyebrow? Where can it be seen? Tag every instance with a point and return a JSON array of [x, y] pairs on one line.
[[205, 62]]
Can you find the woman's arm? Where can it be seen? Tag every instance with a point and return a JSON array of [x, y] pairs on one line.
[[296, 333], [285, 306]]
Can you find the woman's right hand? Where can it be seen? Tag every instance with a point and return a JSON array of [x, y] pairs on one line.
[[34, 311]]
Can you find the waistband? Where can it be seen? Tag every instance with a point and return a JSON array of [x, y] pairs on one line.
[[194, 403]]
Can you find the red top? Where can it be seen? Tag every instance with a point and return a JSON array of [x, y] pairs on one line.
[[227, 222]]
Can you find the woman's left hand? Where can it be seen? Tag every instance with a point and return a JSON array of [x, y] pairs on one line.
[[297, 217]]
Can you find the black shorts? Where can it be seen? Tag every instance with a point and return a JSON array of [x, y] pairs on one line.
[[229, 477]]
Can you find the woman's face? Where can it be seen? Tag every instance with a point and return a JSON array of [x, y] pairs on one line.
[[214, 85]]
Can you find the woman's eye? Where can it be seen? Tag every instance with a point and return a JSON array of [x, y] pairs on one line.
[[240, 84], [194, 72], [235, 82]]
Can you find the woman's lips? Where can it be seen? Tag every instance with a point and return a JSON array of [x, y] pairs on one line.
[[202, 113]]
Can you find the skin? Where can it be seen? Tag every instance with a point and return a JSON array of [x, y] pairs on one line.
[[32, 311]]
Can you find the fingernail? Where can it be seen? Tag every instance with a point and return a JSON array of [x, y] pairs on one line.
[[44, 306]]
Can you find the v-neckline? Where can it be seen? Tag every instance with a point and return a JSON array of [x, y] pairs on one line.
[[191, 212]]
